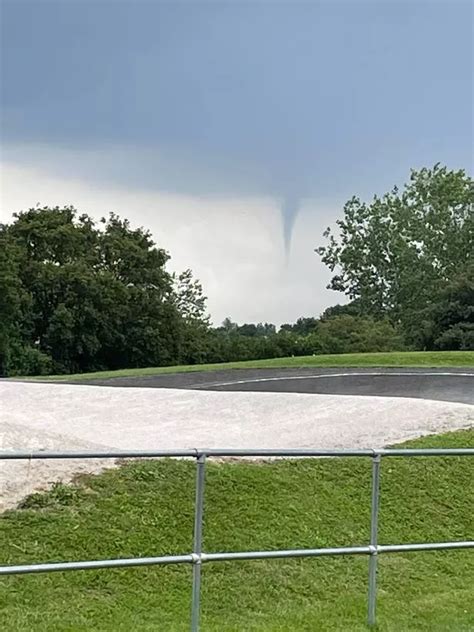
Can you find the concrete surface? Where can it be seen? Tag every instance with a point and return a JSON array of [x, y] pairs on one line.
[[60, 416]]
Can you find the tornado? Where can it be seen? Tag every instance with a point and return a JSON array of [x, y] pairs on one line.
[[289, 210]]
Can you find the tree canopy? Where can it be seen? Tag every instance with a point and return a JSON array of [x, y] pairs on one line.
[[397, 255], [83, 296]]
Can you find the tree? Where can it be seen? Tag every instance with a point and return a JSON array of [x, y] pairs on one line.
[[190, 299], [191, 305], [303, 326], [228, 326], [9, 298], [247, 329], [91, 296], [396, 253], [449, 323], [351, 309], [266, 329], [260, 329], [354, 334]]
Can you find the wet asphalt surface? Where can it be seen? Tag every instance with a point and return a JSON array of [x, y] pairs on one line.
[[446, 384]]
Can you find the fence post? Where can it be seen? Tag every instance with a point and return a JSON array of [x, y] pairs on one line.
[[374, 519], [197, 547]]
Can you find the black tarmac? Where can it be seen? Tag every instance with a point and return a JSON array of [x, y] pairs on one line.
[[450, 385]]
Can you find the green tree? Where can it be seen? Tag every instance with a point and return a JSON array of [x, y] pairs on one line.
[[92, 296], [9, 299], [266, 329], [190, 299], [396, 253], [247, 329], [191, 306], [354, 334], [303, 326], [228, 326], [449, 322], [351, 309]]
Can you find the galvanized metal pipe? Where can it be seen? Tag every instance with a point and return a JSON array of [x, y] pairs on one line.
[[192, 558], [426, 546], [290, 452], [198, 557], [412, 452], [426, 452], [343, 550], [374, 522], [197, 548], [10, 455], [23, 455], [289, 553], [26, 569]]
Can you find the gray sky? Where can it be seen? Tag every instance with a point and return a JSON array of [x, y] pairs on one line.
[[234, 130]]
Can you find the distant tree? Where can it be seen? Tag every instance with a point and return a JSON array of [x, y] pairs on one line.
[[353, 334], [266, 329], [394, 254], [303, 326], [190, 299], [191, 305], [247, 329], [349, 309], [228, 326]]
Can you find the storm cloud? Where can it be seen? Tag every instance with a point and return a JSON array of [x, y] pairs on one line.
[[292, 102]]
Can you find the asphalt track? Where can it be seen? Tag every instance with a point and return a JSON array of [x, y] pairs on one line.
[[446, 384]]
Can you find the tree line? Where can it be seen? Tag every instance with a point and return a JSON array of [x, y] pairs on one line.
[[78, 295]]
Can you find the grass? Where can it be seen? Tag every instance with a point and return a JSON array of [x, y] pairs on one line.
[[146, 508], [392, 359]]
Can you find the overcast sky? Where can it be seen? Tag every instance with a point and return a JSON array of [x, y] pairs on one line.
[[236, 130]]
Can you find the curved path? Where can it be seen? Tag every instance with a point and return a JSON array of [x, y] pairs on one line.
[[450, 385], [306, 408]]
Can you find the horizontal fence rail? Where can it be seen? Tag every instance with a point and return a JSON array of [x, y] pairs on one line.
[[198, 557], [25, 455]]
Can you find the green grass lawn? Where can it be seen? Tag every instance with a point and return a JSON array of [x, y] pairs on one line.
[[146, 508], [393, 359]]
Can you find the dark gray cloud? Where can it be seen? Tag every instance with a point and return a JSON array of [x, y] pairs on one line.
[[291, 100]]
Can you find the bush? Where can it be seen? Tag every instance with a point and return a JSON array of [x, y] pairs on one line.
[[460, 337], [355, 334], [23, 360]]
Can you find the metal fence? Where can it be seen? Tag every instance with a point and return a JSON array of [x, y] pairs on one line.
[[197, 557]]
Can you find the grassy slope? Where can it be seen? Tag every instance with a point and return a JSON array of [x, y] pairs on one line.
[[147, 509], [393, 359]]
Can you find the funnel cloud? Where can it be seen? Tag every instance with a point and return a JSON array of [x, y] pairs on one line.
[[289, 210], [279, 102]]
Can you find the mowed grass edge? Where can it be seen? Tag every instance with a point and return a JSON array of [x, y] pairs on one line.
[[146, 508], [427, 359]]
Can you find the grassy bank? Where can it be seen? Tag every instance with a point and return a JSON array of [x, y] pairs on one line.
[[393, 359], [147, 509]]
